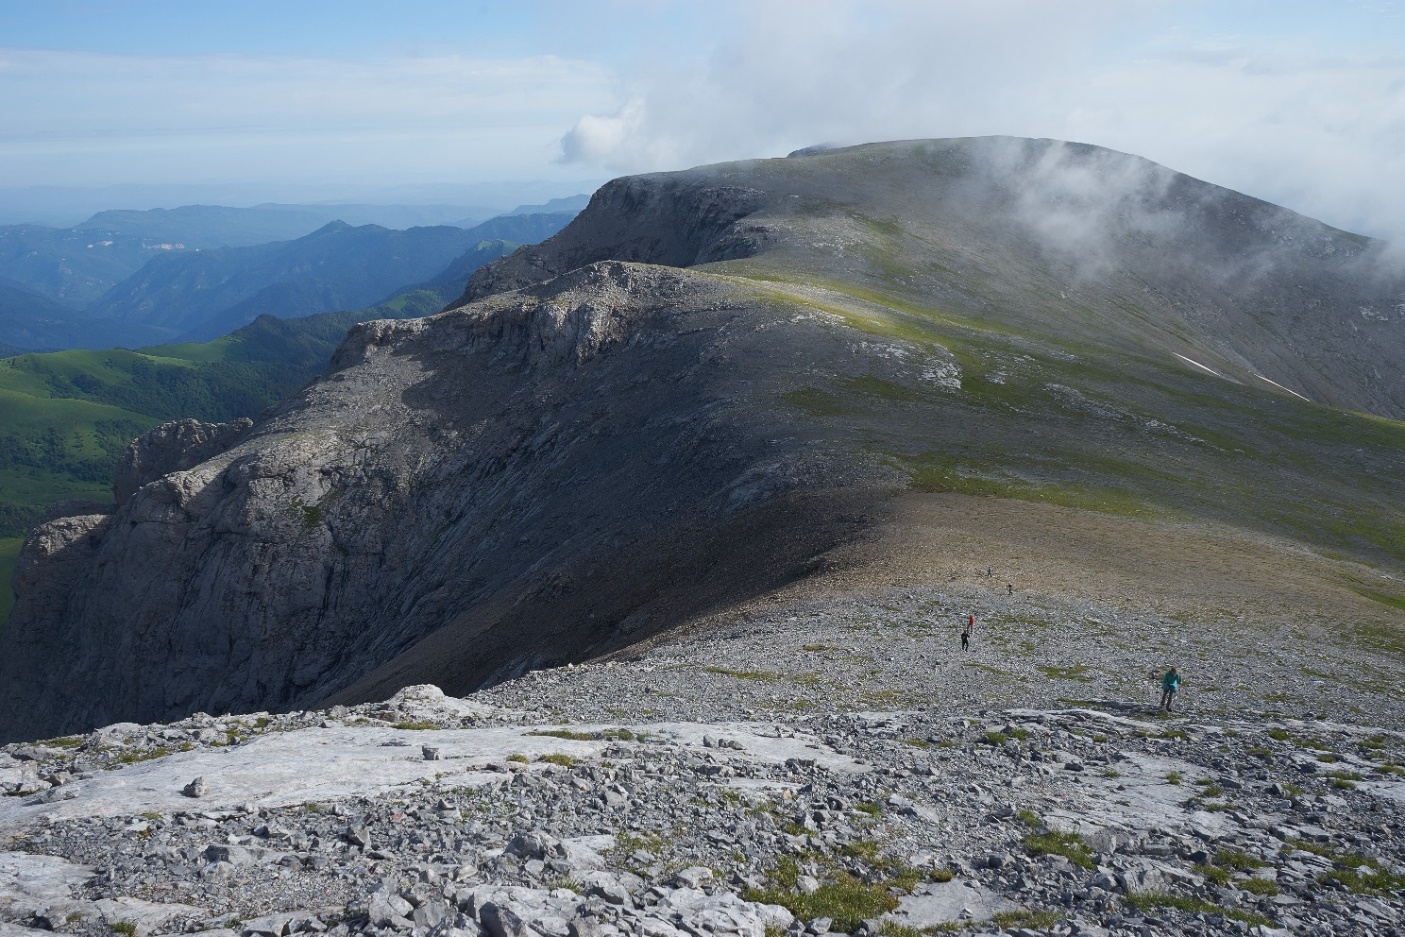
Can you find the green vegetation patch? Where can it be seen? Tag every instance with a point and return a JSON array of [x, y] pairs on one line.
[[1057, 843], [1387, 599], [743, 674], [1150, 901], [1362, 875], [887, 390], [936, 474], [132, 758], [572, 735], [844, 898], [1034, 920], [1214, 873], [66, 742], [1259, 886], [1078, 672], [1238, 859], [815, 402]]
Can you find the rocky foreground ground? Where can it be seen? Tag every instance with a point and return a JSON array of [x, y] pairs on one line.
[[809, 766]]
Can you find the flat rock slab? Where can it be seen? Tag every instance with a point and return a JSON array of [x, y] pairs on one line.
[[16, 930], [948, 901], [1139, 798], [146, 916], [1395, 790], [756, 743], [29, 882], [315, 765]]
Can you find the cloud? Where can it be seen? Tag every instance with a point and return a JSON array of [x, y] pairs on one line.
[[596, 138], [83, 118], [1282, 117]]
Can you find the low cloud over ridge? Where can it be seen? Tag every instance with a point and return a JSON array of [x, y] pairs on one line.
[[1284, 118]]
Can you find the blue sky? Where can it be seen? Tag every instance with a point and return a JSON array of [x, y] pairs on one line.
[[1299, 102]]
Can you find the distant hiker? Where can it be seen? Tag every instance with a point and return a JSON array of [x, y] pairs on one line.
[[1170, 683], [989, 571], [966, 634], [1009, 588]]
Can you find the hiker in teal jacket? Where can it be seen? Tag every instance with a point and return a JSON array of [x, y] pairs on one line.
[[1169, 685]]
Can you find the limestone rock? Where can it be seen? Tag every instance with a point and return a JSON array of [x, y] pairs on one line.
[[172, 447], [364, 531]]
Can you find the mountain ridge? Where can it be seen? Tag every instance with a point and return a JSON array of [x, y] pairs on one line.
[[720, 381]]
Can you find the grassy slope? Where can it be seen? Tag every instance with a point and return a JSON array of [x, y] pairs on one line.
[[1238, 478], [1042, 417]]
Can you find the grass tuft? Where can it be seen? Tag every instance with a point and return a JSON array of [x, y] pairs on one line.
[[1150, 901], [1057, 843]]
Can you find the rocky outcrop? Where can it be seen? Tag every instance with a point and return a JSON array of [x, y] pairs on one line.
[[172, 447], [660, 219], [477, 494]]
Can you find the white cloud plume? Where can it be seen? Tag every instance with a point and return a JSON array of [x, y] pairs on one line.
[[1283, 119]]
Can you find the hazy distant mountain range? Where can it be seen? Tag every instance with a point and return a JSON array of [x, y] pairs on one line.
[[67, 206], [204, 226], [208, 293], [29, 321], [136, 278]]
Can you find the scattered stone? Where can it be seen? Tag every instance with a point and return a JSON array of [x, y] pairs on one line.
[[666, 823]]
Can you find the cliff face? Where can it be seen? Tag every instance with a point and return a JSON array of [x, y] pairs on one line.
[[599, 444], [536, 474]]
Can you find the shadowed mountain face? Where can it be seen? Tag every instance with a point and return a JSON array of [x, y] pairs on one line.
[[714, 383]]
